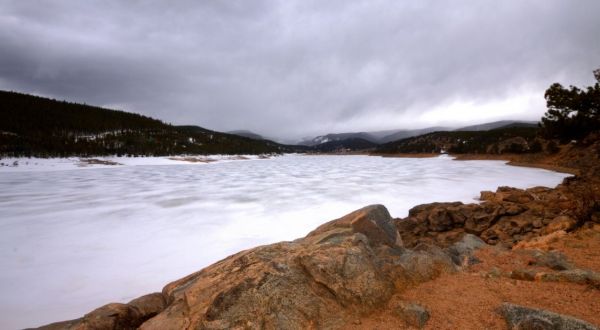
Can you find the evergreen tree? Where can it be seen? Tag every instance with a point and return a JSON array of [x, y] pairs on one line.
[[572, 112]]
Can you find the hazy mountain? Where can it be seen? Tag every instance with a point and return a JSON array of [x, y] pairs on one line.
[[498, 124], [338, 137], [403, 134], [376, 137], [381, 134]]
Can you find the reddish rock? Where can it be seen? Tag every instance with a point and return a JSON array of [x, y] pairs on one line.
[[523, 274], [116, 316], [521, 317], [561, 222], [347, 266]]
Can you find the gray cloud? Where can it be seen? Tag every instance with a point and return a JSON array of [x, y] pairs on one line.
[[294, 68]]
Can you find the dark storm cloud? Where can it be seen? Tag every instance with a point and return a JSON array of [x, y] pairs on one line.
[[293, 68]]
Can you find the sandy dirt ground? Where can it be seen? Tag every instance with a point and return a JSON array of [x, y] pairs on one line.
[[469, 299]]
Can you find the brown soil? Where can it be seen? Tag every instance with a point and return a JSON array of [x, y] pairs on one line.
[[582, 248], [469, 299]]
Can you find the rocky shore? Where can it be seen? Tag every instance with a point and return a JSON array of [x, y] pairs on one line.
[[520, 259]]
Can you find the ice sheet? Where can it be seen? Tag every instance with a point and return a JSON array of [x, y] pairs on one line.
[[70, 163], [72, 240]]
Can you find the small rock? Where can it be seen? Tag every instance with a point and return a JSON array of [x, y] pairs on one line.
[[495, 272], [551, 259], [426, 262], [523, 318], [547, 277], [413, 315], [580, 276], [523, 274], [461, 252], [534, 322]]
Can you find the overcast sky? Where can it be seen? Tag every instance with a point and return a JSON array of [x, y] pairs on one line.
[[289, 69]]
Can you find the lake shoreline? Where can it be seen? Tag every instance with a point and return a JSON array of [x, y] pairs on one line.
[[538, 160], [167, 302], [414, 271]]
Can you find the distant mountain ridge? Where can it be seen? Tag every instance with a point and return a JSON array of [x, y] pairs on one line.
[[402, 134], [382, 137], [339, 137], [376, 137], [495, 141], [498, 124]]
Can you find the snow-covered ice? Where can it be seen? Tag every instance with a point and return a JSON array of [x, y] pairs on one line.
[[74, 239], [60, 164]]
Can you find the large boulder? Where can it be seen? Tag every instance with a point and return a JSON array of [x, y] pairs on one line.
[[374, 221], [345, 267]]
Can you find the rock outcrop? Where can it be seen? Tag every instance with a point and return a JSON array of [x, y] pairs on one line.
[[507, 216], [347, 267], [117, 316]]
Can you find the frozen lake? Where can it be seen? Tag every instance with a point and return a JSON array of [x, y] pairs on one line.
[[72, 240]]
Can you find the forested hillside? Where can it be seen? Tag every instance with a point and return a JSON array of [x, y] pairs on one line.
[[350, 144], [37, 126], [496, 141]]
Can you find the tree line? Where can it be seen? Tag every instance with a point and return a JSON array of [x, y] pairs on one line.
[[42, 127]]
